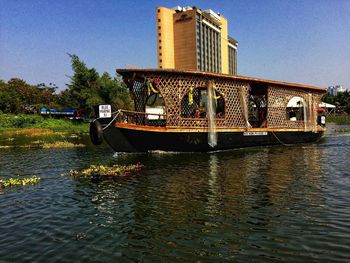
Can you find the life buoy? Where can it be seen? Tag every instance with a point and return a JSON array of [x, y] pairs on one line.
[[96, 132]]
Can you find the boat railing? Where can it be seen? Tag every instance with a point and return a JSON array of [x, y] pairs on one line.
[[142, 118]]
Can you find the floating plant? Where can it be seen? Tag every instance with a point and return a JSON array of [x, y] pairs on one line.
[[61, 144], [19, 181], [98, 171]]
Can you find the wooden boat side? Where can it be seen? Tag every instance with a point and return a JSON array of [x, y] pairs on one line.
[[205, 130], [134, 138]]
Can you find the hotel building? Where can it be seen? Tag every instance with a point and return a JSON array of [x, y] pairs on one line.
[[192, 39], [334, 90]]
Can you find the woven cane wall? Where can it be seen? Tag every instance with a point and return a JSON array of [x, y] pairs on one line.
[[231, 91], [278, 98], [173, 88]]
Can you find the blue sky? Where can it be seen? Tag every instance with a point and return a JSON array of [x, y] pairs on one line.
[[295, 41]]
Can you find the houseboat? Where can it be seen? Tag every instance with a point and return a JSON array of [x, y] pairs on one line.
[[191, 111]]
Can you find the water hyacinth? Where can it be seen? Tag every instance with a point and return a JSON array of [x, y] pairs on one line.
[[342, 130], [61, 144], [97, 171], [19, 181]]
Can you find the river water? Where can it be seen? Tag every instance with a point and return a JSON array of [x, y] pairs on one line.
[[281, 203]]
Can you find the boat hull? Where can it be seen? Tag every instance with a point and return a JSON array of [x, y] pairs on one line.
[[136, 140]]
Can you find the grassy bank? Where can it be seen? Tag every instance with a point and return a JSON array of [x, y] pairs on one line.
[[339, 119], [32, 121], [34, 131]]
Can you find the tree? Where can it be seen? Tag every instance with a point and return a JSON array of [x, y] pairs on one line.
[[47, 96], [87, 88], [84, 86], [17, 96], [114, 91], [341, 100], [7, 98]]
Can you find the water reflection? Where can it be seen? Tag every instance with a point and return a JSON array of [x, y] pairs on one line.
[[236, 195], [214, 190], [274, 203]]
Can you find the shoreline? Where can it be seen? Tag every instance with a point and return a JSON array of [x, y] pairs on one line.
[[42, 133]]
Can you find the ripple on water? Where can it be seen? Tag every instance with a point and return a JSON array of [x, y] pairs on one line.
[[271, 204]]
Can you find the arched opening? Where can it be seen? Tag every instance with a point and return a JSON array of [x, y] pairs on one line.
[[295, 109], [195, 104]]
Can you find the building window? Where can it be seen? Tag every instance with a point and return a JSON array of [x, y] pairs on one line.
[[160, 41], [158, 27], [158, 10], [160, 60], [158, 34], [158, 19], [160, 47]]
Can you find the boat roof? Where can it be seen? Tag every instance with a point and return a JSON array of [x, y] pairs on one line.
[[326, 105], [126, 72]]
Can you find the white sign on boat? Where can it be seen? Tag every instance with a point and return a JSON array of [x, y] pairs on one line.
[[105, 111], [254, 133]]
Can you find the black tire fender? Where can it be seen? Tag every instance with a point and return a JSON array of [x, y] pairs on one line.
[[96, 132]]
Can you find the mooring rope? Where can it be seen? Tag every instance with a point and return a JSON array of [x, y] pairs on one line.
[[285, 144], [118, 112]]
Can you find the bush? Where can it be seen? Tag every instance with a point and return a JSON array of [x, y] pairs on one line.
[[339, 119], [11, 121], [19, 121]]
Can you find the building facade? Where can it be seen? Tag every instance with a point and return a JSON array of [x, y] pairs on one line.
[[191, 39], [334, 90]]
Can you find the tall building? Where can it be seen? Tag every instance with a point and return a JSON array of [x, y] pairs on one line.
[[334, 90], [192, 39]]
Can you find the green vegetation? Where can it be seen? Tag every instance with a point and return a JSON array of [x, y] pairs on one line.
[[342, 130], [11, 182], [339, 119], [34, 131], [341, 101], [60, 144], [20, 105], [39, 138], [30, 121], [17, 96], [86, 89], [100, 171]]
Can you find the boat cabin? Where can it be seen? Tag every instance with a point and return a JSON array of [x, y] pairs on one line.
[[195, 100]]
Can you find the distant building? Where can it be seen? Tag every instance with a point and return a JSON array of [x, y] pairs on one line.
[[192, 39], [334, 90]]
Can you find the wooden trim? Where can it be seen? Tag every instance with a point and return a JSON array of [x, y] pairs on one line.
[[196, 130], [201, 118], [142, 113], [125, 72]]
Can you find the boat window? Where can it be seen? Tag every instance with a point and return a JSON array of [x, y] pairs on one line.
[[295, 109], [257, 110], [155, 100], [257, 105], [155, 106], [195, 103]]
